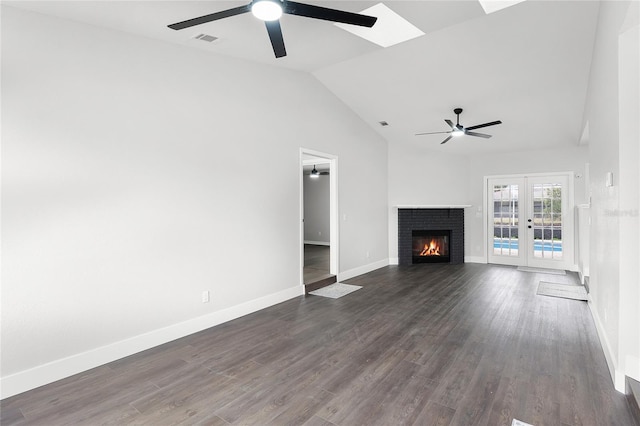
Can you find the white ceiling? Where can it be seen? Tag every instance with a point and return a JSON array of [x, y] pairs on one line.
[[527, 65]]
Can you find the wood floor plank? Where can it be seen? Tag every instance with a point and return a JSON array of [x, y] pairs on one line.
[[56, 393], [109, 406], [477, 400], [317, 421], [508, 403], [12, 415], [405, 406], [417, 345], [302, 408], [542, 405], [458, 375], [381, 382], [435, 414]]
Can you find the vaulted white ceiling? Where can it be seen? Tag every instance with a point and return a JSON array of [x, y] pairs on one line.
[[527, 65]]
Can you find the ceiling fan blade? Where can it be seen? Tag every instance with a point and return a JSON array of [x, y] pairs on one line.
[[446, 140], [482, 135], [275, 34], [212, 17], [430, 133], [493, 123], [450, 123], [334, 15]]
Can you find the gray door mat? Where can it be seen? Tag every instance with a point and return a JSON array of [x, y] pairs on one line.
[[566, 291]]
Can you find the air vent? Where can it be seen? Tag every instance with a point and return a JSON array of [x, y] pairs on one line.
[[205, 37]]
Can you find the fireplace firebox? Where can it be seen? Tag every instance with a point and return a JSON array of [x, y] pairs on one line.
[[434, 219], [430, 246]]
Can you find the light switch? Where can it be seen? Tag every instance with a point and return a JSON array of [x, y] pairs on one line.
[[608, 179]]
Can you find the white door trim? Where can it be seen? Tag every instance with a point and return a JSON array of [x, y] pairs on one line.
[[334, 249], [569, 262]]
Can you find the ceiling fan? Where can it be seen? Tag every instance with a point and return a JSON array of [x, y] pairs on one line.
[[270, 11], [315, 173], [460, 130]]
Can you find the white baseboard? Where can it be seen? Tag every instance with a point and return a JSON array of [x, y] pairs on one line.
[[616, 375], [345, 275], [475, 259], [620, 382], [394, 261], [317, 243], [65, 367], [582, 277], [632, 367]]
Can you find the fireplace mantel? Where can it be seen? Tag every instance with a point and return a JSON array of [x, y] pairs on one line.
[[434, 206]]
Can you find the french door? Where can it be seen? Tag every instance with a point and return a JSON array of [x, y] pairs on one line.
[[529, 221]]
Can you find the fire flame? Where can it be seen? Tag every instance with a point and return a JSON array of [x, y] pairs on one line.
[[431, 249]]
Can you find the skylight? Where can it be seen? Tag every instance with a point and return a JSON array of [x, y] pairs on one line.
[[491, 6], [390, 28]]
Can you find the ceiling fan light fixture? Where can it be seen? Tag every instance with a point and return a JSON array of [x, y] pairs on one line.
[[267, 10], [457, 132], [315, 173]]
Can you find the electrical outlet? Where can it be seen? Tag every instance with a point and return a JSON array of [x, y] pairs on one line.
[[367, 255], [205, 296]]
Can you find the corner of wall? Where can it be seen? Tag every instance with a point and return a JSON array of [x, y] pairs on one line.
[[632, 367], [617, 377]]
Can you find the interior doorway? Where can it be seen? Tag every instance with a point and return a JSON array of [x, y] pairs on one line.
[[318, 219], [530, 220]]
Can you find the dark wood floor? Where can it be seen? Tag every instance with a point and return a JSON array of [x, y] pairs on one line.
[[421, 345], [316, 263]]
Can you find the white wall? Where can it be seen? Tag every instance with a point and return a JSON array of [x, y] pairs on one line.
[[418, 176], [316, 209], [629, 122], [132, 182], [629, 101], [613, 148], [363, 212]]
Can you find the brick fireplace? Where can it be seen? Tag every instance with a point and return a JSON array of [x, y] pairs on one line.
[[422, 231]]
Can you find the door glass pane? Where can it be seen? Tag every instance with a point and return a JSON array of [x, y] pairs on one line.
[[505, 220], [547, 221]]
